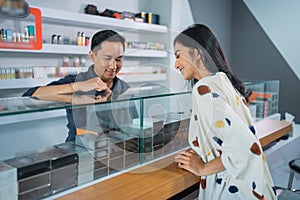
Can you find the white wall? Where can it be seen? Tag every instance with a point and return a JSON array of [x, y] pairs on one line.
[[180, 18], [217, 15], [280, 21]]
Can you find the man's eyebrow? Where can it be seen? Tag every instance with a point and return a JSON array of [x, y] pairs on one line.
[[176, 52], [107, 55]]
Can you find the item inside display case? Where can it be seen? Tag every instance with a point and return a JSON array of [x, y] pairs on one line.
[[263, 101]]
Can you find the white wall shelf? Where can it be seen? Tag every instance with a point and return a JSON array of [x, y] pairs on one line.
[[92, 21], [28, 83], [83, 50], [70, 20]]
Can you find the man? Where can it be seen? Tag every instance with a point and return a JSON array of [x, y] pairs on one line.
[[107, 53]]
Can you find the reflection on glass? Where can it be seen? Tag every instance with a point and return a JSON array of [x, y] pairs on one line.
[[113, 134]]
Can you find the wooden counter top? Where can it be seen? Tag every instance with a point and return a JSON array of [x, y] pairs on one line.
[[163, 179], [269, 130]]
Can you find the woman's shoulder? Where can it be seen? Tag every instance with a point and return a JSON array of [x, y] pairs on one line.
[[211, 79]]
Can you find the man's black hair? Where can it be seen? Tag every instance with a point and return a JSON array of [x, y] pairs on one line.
[[106, 35]]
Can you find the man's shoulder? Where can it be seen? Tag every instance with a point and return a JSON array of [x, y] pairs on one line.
[[120, 85], [122, 82]]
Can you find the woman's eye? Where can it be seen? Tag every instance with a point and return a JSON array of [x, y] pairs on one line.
[[176, 56]]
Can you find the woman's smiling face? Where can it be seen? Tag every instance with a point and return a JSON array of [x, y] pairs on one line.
[[185, 62]]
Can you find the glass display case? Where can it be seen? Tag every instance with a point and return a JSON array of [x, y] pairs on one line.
[[263, 101], [111, 136]]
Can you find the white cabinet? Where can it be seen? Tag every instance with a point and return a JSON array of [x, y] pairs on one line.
[[68, 24]]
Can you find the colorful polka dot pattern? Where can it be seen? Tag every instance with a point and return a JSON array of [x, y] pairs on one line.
[[252, 129], [195, 142], [245, 102], [237, 100], [253, 185], [208, 153], [233, 189], [218, 140], [274, 190], [203, 183], [203, 89], [195, 117], [228, 121], [215, 95], [263, 157], [219, 124], [255, 149], [260, 197]]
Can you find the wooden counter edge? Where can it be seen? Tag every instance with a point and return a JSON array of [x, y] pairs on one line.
[[173, 185], [270, 130]]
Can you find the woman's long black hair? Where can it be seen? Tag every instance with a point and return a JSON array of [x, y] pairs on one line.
[[200, 37]]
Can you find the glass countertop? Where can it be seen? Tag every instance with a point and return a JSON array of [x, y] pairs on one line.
[[19, 105]]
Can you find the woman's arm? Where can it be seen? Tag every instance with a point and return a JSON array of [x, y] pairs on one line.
[[191, 161]]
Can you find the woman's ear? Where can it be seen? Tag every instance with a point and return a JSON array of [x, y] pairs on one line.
[[197, 53], [92, 56]]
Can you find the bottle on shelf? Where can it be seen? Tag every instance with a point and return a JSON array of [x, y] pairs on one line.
[[82, 39], [66, 61], [79, 39], [31, 34]]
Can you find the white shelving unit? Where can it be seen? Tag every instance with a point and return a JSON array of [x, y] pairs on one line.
[[83, 50], [27, 83], [70, 19], [91, 21]]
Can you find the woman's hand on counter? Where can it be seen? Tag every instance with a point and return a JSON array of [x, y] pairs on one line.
[[190, 160]]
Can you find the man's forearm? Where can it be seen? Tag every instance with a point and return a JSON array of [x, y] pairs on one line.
[[54, 89]]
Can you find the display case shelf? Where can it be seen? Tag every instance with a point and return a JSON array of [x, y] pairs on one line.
[[24, 83], [11, 119], [27, 83]]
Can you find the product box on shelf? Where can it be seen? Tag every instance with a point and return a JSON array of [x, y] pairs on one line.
[[46, 172], [31, 39]]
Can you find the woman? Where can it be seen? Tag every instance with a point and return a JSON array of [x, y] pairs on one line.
[[225, 152]]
